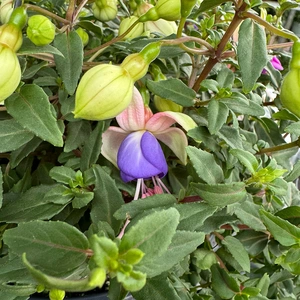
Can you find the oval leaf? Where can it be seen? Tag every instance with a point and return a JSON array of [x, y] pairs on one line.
[[251, 52], [13, 135], [31, 108], [221, 194]]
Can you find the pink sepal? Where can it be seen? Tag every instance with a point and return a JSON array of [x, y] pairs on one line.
[[111, 141], [176, 140], [134, 117]]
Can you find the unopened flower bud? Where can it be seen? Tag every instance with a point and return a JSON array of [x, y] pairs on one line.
[[103, 92], [97, 277], [40, 30], [135, 32], [9, 79], [186, 7], [161, 26], [11, 36], [83, 35], [56, 294], [105, 10], [290, 87], [18, 17], [162, 104], [169, 10], [137, 64], [6, 9]]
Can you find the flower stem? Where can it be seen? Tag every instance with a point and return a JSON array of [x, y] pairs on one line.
[[47, 13], [279, 147], [271, 28], [116, 39]]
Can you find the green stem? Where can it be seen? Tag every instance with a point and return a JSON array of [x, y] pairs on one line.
[[46, 13], [279, 147], [271, 28], [116, 39]]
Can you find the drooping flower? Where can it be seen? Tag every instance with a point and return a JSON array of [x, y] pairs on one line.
[[275, 63], [134, 148]]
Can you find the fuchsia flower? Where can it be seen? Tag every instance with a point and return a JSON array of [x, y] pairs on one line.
[[134, 148], [275, 63]]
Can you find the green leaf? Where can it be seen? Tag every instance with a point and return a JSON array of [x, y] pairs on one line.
[[193, 215], [47, 244], [217, 115], [291, 214], [92, 146], [246, 158], [264, 284], [293, 128], [238, 103], [77, 134], [183, 243], [32, 205], [248, 213], [231, 136], [151, 234], [1, 188], [134, 208], [107, 199], [30, 48], [251, 52], [31, 108], [69, 66], [63, 174], [220, 194], [203, 160], [294, 174], [160, 288], [209, 4], [18, 155], [237, 250], [283, 231], [13, 135], [222, 283], [173, 89], [82, 199]]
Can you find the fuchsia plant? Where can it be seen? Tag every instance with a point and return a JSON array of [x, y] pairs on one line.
[[133, 147]]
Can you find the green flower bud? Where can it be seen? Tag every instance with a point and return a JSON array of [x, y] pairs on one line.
[[11, 36], [169, 10], [40, 30], [186, 7], [56, 294], [9, 79], [83, 35], [97, 277], [135, 32], [103, 92], [161, 26], [6, 9], [137, 64], [18, 17], [162, 104], [105, 10], [290, 87]]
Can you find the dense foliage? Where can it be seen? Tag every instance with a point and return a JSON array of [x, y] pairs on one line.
[[149, 147]]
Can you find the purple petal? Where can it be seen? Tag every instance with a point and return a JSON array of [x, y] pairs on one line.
[[276, 63], [140, 156]]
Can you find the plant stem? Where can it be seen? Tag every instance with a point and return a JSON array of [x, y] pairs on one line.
[[47, 13], [279, 147], [116, 39], [237, 19], [271, 28]]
